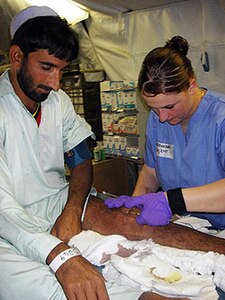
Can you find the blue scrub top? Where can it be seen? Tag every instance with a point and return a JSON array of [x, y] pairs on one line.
[[194, 158]]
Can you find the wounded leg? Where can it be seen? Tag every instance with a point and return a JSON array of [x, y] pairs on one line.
[[100, 218]]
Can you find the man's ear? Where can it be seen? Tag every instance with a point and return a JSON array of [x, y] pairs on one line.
[[16, 56], [192, 86]]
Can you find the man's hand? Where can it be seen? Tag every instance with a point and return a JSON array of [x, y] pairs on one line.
[[78, 278], [81, 281], [155, 209], [67, 225]]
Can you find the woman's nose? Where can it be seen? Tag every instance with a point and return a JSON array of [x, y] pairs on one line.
[[163, 115]]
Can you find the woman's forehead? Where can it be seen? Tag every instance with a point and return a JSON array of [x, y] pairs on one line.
[[162, 100]]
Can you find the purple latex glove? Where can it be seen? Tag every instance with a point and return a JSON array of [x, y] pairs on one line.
[[155, 209]]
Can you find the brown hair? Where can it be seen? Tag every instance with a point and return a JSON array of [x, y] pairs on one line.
[[166, 69]]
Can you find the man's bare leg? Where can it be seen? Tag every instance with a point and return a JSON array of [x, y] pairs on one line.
[[100, 218]]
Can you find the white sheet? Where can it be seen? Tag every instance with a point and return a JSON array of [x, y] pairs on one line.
[[145, 265], [202, 225]]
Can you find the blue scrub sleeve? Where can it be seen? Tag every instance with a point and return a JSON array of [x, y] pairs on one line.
[[77, 155]]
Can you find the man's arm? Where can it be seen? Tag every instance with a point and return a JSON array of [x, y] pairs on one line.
[[69, 222], [77, 276], [147, 181]]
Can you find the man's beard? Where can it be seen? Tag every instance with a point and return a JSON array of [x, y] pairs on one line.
[[25, 82]]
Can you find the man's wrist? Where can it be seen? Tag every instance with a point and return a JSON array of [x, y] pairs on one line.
[[62, 257], [74, 209], [55, 251], [176, 201]]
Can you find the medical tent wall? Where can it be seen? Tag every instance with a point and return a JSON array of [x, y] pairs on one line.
[[118, 43]]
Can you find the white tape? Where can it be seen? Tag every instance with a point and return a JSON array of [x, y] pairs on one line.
[[63, 257]]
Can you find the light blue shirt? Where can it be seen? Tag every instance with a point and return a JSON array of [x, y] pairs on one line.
[[33, 189], [194, 158]]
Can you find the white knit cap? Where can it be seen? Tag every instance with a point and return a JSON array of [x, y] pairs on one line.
[[29, 13]]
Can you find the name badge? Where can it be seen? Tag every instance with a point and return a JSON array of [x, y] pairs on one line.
[[164, 150]]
